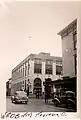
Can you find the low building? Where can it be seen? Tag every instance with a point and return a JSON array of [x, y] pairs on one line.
[[34, 70], [8, 87]]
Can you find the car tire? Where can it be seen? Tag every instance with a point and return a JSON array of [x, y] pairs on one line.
[[26, 102], [69, 105], [15, 102]]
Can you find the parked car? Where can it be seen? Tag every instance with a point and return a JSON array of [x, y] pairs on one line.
[[19, 97], [67, 98]]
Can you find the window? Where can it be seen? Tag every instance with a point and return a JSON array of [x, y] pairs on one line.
[[48, 69], [28, 66], [75, 48], [75, 40], [21, 71], [58, 70], [37, 68], [25, 69], [38, 61], [75, 45], [75, 63], [49, 62]]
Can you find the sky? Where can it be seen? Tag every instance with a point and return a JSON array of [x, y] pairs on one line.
[[31, 27]]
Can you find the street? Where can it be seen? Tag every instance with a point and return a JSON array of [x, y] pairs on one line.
[[34, 105]]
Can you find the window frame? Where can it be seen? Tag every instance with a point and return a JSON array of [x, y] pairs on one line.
[[59, 73]]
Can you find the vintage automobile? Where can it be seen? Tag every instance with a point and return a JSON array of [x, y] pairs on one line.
[[19, 97], [67, 99]]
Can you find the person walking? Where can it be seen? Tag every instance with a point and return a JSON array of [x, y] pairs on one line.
[[28, 91], [46, 96]]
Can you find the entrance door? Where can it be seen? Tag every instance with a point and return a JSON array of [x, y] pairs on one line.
[[48, 87], [37, 86]]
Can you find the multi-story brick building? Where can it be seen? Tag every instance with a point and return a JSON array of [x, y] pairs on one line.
[[69, 58], [33, 71], [69, 49]]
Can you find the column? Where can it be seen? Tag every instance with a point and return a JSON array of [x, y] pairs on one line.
[[54, 68], [43, 75]]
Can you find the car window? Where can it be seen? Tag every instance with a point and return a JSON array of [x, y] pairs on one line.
[[69, 95]]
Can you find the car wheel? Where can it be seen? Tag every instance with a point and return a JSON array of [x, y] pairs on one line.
[[26, 102], [69, 105], [15, 102]]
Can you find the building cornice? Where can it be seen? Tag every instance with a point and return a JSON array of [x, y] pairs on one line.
[[68, 29], [38, 56]]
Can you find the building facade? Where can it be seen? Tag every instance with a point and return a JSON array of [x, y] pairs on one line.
[[69, 49], [69, 58], [34, 70]]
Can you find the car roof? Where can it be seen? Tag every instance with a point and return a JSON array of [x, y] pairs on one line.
[[20, 92], [70, 92]]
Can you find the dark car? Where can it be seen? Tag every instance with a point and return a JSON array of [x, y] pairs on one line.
[[19, 97], [67, 99]]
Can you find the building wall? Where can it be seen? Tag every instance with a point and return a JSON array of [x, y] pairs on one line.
[[67, 53], [69, 49]]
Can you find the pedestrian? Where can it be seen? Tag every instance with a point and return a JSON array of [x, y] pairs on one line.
[[37, 94], [28, 91], [46, 97]]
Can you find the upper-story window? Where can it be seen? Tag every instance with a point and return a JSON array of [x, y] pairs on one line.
[[28, 66], [75, 63], [48, 67], [26, 69], [37, 66], [75, 40], [75, 48], [19, 72], [58, 70], [23, 70], [37, 61], [13, 75]]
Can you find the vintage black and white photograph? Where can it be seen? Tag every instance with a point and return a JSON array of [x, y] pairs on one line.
[[40, 47]]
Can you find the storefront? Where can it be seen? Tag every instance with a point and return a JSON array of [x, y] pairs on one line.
[[65, 84]]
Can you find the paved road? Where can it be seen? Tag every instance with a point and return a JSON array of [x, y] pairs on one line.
[[34, 105]]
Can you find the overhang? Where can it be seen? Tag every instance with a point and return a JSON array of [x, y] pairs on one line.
[[67, 27]]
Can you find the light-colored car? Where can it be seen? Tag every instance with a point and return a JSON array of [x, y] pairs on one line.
[[19, 97]]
